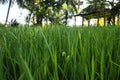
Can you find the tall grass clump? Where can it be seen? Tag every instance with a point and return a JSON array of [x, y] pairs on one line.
[[60, 53]]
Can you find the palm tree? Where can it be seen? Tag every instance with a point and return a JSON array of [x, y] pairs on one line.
[[3, 2], [8, 12], [9, 5]]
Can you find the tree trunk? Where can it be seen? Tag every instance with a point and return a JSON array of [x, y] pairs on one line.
[[8, 12], [118, 19], [75, 20], [66, 17], [104, 18], [88, 22], [82, 21], [98, 21], [113, 20], [39, 21]]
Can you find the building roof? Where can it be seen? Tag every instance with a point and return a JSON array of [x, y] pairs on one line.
[[92, 12]]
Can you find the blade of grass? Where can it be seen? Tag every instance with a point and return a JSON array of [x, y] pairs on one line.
[[102, 66], [93, 68], [23, 65]]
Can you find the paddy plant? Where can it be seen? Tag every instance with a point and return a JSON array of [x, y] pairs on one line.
[[60, 53]]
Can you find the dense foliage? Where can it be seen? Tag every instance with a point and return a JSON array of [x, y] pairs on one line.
[[60, 53]]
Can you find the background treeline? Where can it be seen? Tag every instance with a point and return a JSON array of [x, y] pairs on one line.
[[60, 11]]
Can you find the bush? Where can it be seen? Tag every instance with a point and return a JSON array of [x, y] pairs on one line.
[[14, 23]]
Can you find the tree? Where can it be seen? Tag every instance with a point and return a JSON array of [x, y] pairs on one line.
[[8, 12], [4, 1], [9, 5], [52, 11], [75, 6], [114, 11]]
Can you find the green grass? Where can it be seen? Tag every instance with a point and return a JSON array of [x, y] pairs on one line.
[[60, 53]]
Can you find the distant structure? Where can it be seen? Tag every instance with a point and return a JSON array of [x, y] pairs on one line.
[[108, 14]]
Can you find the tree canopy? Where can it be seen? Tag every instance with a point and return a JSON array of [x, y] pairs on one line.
[[51, 11]]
